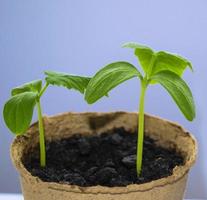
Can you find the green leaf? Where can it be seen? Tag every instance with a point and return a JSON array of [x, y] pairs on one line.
[[33, 86], [109, 77], [179, 91], [143, 53], [69, 81], [18, 112], [172, 62]]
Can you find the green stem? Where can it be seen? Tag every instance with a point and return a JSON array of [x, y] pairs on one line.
[[43, 89], [41, 136], [141, 128]]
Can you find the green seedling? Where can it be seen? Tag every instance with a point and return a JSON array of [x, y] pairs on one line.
[[18, 110], [158, 67]]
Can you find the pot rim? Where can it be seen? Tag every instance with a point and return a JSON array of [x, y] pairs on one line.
[[178, 172]]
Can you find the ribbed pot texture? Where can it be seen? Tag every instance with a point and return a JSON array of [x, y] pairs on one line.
[[166, 133]]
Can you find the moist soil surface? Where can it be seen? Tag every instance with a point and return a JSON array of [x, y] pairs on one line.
[[108, 159]]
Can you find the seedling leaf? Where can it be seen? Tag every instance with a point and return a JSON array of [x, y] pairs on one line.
[[143, 53], [172, 62], [109, 77], [33, 86], [18, 112], [69, 81], [179, 91]]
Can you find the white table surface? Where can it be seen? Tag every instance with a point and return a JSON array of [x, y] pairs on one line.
[[19, 197], [11, 197]]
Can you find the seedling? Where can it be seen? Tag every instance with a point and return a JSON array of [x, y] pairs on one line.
[[18, 110], [158, 67]]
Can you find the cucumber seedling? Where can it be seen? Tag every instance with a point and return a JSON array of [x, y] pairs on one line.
[[158, 67], [18, 110]]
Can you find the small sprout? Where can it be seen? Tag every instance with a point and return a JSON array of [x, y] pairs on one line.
[[18, 110], [158, 67]]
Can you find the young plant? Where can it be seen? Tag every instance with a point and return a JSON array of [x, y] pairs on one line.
[[158, 67], [18, 110]]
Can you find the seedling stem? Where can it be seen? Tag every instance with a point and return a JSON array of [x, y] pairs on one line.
[[141, 127]]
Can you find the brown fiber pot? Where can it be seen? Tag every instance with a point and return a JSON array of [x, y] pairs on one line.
[[167, 134]]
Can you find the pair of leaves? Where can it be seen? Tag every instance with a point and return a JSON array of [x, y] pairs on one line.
[[166, 69], [163, 60], [18, 110]]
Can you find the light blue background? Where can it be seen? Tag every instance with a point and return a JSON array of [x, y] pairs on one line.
[[80, 37]]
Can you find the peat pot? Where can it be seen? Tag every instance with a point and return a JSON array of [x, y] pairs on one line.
[[166, 133]]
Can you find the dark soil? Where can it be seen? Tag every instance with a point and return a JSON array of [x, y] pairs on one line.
[[107, 159]]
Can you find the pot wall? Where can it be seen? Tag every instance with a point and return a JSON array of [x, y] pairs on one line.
[[167, 134], [36, 191]]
